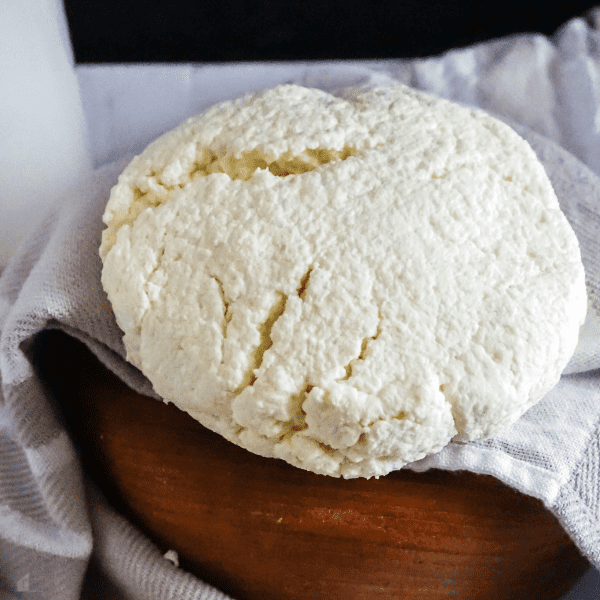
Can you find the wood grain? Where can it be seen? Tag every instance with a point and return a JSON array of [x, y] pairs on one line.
[[260, 529]]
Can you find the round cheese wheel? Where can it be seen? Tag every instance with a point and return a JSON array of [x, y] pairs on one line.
[[345, 283]]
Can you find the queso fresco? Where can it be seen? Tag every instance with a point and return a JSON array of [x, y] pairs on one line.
[[345, 283]]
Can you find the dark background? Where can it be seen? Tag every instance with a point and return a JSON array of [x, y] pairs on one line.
[[232, 30]]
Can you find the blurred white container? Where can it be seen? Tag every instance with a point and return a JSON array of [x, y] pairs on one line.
[[43, 141]]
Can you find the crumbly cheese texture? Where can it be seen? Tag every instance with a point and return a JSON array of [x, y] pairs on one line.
[[345, 283]]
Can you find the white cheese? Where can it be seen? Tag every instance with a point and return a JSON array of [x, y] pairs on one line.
[[344, 283]]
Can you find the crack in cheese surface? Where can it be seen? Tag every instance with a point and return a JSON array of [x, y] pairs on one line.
[[346, 283], [156, 188]]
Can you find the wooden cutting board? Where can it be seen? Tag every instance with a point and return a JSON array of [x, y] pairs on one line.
[[260, 529]]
